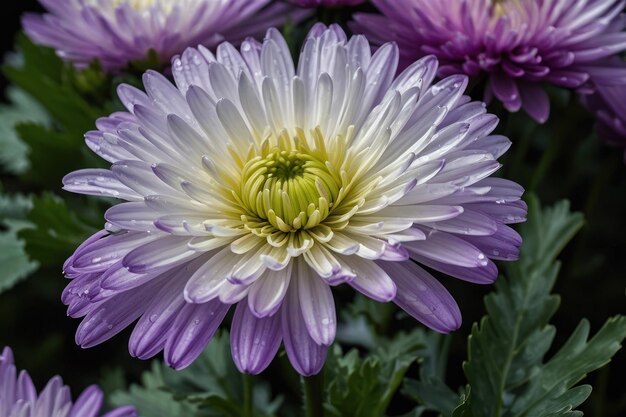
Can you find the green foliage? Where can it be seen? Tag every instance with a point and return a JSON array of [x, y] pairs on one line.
[[363, 387], [16, 264], [430, 391], [506, 368], [23, 109], [211, 386], [55, 231], [73, 101]]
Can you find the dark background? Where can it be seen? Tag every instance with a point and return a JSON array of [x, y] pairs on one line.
[[591, 284]]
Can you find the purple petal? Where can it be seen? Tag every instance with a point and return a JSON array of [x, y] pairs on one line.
[[88, 403], [423, 297], [316, 304], [191, 332], [306, 356], [535, 101], [254, 341], [371, 279], [446, 248], [115, 314]]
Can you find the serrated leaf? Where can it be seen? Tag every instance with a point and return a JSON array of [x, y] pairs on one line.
[[73, 99], [48, 79], [15, 263], [364, 387], [55, 231], [505, 367], [23, 108], [550, 389], [430, 391], [14, 206], [151, 399], [211, 387]]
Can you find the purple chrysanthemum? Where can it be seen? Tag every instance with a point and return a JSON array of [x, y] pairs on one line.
[[325, 3], [518, 44], [117, 32], [255, 183], [608, 104], [19, 398]]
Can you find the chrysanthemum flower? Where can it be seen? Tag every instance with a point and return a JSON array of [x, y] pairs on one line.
[[519, 45], [19, 398], [254, 183], [609, 106], [117, 32], [325, 3]]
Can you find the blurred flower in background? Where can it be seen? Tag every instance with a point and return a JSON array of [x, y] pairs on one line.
[[254, 183], [117, 32], [608, 104], [518, 45], [326, 3], [19, 398]]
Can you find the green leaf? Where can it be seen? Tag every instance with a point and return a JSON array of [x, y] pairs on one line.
[[210, 387], [48, 147], [23, 108], [73, 99], [55, 232], [151, 397], [506, 368], [14, 207], [50, 81], [364, 387], [15, 263], [430, 391], [551, 392]]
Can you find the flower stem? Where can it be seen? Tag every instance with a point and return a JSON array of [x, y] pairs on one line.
[[248, 400], [313, 395]]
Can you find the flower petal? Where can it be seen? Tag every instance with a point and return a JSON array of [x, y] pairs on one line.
[[254, 341]]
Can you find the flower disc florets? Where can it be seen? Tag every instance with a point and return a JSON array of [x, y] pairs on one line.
[[293, 190], [258, 184]]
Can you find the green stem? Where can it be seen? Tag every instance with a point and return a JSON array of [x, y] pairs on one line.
[[546, 160], [314, 395], [248, 399], [394, 384]]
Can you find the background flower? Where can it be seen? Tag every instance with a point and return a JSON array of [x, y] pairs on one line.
[[518, 44], [256, 184], [119, 31], [326, 3], [609, 106], [19, 398]]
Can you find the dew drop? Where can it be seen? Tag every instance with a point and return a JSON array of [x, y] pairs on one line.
[[196, 322], [325, 321], [110, 326], [153, 318]]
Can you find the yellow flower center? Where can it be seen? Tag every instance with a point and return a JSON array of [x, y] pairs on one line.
[[139, 5], [291, 189]]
